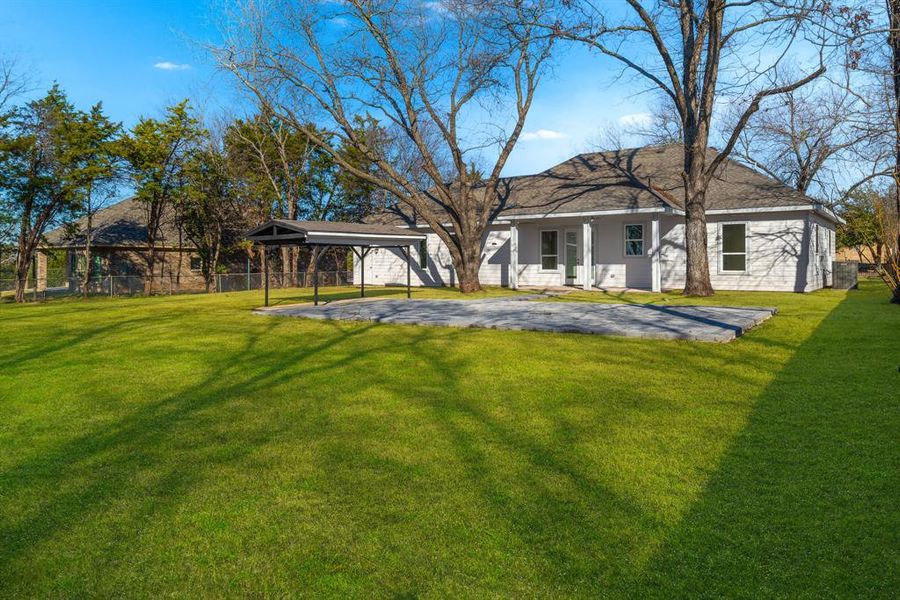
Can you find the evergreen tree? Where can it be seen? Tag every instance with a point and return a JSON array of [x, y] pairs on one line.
[[94, 153], [39, 173], [157, 152]]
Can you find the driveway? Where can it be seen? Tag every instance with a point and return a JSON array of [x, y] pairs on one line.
[[702, 323]]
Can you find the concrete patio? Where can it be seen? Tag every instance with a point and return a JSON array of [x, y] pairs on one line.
[[700, 323]]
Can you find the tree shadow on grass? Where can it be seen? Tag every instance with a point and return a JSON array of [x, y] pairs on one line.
[[154, 456], [784, 509], [568, 526], [804, 503], [301, 295], [551, 521], [61, 341]]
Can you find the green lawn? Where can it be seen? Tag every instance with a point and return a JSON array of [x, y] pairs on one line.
[[181, 446]]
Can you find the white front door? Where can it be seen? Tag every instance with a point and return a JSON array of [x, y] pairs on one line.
[[571, 257]]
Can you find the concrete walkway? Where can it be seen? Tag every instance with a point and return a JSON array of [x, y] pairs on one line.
[[703, 323]]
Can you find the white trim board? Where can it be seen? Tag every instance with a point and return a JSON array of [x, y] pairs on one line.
[[507, 219]]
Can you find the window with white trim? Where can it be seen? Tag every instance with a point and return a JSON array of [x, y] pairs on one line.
[[549, 250], [734, 247], [634, 240], [423, 254]]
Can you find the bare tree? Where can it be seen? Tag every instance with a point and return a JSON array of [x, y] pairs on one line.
[[279, 158], [427, 71], [891, 211], [13, 83], [870, 34], [810, 139], [699, 53], [662, 124], [659, 126]]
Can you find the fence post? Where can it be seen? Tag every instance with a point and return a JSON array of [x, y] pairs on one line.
[[110, 285]]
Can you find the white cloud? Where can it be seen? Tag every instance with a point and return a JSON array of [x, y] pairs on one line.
[[170, 66], [641, 118], [543, 134]]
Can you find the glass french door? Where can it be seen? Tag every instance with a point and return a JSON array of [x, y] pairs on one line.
[[571, 256]]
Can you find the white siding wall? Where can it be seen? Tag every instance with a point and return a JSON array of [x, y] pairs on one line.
[[821, 249], [781, 255], [778, 253], [530, 271], [386, 266], [611, 267]]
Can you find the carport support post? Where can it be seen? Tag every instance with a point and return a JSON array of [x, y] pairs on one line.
[[315, 276], [265, 258], [361, 255], [408, 255]]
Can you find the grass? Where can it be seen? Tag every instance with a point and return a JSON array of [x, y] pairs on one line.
[[180, 446]]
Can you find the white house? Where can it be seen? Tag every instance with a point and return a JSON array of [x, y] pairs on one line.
[[616, 220]]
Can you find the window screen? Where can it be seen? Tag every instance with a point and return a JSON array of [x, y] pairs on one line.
[[423, 254], [634, 240], [734, 247], [549, 250]]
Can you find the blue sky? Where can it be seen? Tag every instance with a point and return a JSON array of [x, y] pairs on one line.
[[137, 57]]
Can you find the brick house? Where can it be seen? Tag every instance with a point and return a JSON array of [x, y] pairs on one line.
[[119, 252]]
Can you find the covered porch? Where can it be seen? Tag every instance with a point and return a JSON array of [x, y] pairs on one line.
[[621, 250]]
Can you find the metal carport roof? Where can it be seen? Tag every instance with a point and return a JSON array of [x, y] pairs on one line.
[[283, 232], [365, 236]]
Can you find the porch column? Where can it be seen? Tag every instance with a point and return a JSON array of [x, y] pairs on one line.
[[513, 256], [587, 254], [656, 276]]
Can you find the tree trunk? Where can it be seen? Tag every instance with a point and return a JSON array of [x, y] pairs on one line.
[[470, 263], [894, 43], [180, 254], [697, 282], [23, 258], [286, 267], [87, 255], [21, 275], [214, 263], [151, 266], [311, 266]]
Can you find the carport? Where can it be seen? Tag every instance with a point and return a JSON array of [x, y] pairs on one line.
[[359, 237]]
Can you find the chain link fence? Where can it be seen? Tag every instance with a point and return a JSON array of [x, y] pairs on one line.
[[55, 285]]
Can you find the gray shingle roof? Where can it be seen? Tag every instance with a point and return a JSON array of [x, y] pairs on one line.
[[121, 224], [634, 178]]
